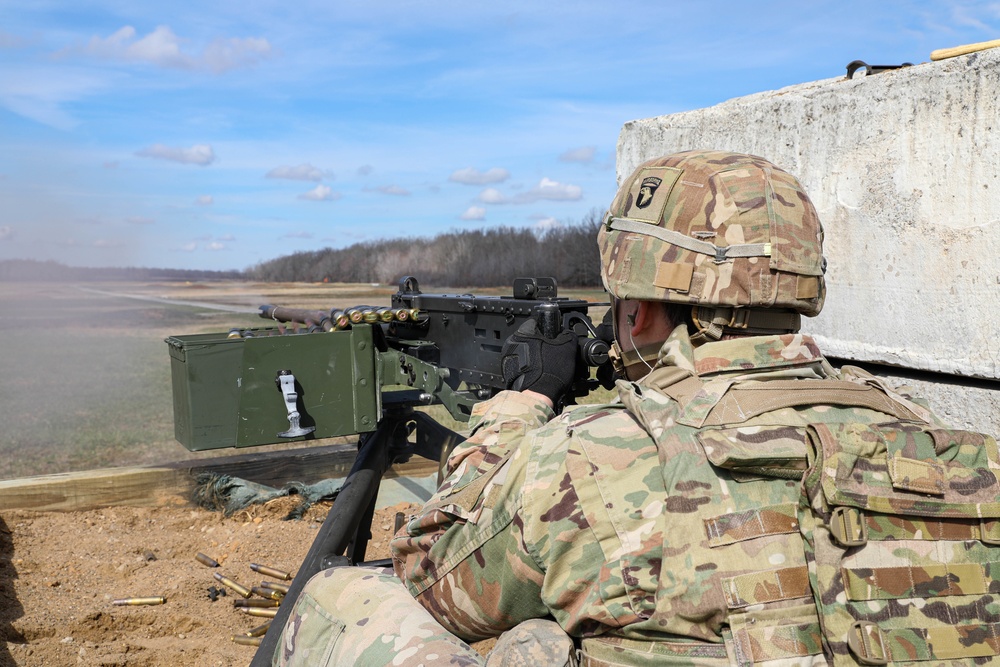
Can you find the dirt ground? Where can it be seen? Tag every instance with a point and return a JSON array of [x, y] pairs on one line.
[[59, 573]]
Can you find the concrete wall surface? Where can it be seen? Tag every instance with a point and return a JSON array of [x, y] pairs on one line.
[[904, 168]]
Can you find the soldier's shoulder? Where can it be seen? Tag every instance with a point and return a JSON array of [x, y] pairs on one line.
[[593, 422]]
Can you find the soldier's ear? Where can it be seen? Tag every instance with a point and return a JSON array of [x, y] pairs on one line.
[[642, 318]]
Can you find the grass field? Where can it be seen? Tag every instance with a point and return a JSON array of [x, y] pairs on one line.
[[86, 374]]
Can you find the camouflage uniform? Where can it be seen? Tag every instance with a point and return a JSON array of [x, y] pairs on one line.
[[357, 616], [667, 529], [743, 503]]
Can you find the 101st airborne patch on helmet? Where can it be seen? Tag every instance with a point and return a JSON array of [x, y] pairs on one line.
[[650, 191]]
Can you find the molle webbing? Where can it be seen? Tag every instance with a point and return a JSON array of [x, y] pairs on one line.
[[794, 640], [720, 254], [874, 646], [768, 586], [749, 524], [610, 651], [903, 526], [926, 581], [747, 400], [850, 526]]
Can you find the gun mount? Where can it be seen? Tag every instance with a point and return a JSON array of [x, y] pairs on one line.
[[362, 371]]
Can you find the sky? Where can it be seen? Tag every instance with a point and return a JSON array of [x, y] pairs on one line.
[[216, 135]]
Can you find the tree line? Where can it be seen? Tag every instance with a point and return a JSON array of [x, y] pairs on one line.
[[30, 270], [468, 258]]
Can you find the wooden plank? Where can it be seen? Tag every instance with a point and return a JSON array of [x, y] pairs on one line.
[[138, 487], [173, 483]]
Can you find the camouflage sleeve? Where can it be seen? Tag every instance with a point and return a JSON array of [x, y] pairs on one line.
[[463, 555]]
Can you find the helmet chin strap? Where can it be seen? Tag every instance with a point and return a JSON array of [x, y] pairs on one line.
[[626, 360], [713, 322]]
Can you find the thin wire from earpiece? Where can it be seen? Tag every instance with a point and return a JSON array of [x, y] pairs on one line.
[[634, 347]]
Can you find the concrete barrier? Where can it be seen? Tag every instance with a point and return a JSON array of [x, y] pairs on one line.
[[904, 168]]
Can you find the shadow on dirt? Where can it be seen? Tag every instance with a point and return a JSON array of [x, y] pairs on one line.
[[10, 606]]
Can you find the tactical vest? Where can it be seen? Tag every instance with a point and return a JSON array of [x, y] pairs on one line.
[[897, 520]]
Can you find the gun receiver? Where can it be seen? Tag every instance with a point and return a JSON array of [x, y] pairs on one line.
[[362, 371]]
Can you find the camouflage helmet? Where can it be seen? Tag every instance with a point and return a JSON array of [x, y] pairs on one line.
[[730, 234]]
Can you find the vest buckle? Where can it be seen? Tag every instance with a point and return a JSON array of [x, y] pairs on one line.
[[848, 527], [865, 641]]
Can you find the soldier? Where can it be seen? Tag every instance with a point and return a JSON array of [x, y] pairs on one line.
[[742, 503]]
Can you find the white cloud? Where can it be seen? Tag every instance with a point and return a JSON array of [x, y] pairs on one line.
[[189, 247], [215, 245], [320, 193], [393, 190], [6, 233], [163, 48], [471, 176], [549, 190], [298, 235], [227, 237], [200, 154], [546, 190], [492, 196], [584, 154], [229, 53], [302, 172], [204, 200], [547, 223], [139, 220], [474, 213], [365, 170]]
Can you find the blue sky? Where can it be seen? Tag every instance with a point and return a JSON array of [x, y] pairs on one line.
[[215, 135]]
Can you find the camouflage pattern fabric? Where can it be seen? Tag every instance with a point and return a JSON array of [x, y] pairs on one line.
[[745, 235], [354, 616], [664, 529], [903, 543]]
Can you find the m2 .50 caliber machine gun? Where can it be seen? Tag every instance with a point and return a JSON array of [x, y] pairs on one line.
[[363, 371]]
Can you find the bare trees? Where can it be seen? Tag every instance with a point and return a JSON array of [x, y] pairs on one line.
[[473, 258]]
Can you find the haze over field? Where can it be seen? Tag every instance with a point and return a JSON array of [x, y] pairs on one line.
[[217, 135]]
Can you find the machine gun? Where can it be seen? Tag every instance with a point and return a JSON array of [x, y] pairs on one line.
[[363, 371]]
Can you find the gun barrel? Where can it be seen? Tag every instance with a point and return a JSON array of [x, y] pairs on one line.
[[316, 318]]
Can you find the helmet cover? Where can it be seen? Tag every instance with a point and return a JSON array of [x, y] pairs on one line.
[[714, 228]]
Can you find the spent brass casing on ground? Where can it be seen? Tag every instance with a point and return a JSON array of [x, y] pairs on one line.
[[254, 602], [268, 593], [263, 613], [270, 572], [281, 588], [226, 581], [259, 631], [247, 641], [158, 599], [207, 561]]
